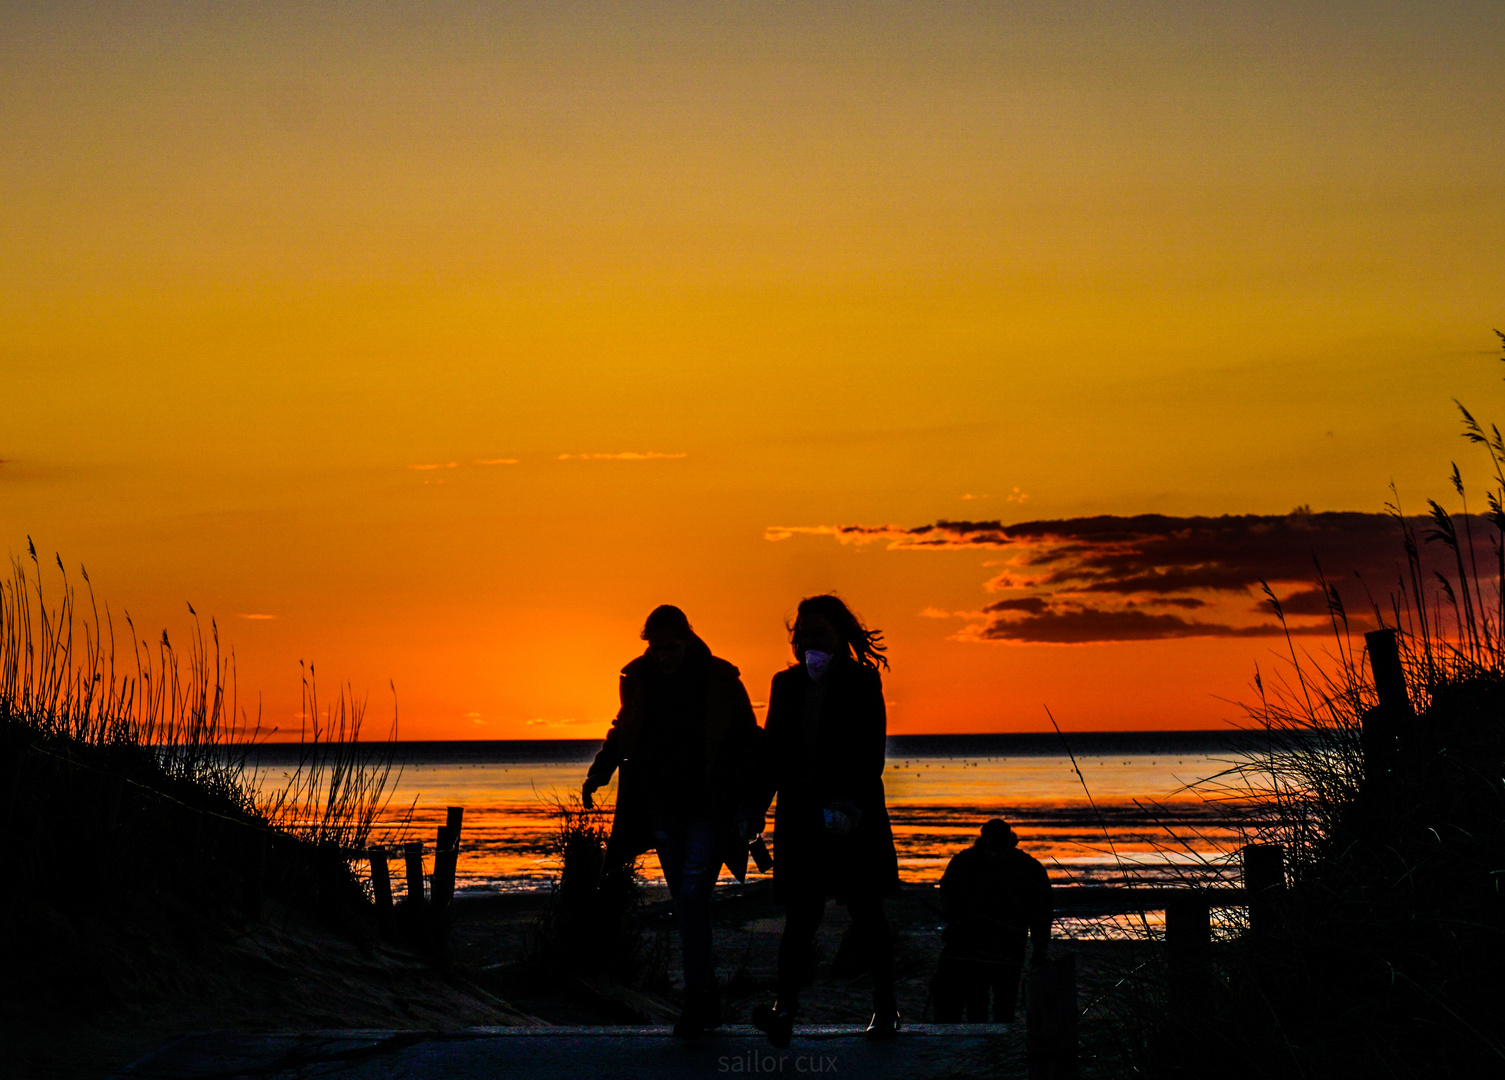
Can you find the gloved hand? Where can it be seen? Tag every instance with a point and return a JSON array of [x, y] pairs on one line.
[[587, 791]]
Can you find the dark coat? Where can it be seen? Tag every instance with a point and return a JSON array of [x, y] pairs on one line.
[[849, 751], [730, 753], [992, 904]]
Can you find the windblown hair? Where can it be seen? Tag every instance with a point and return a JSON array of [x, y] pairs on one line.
[[866, 646]]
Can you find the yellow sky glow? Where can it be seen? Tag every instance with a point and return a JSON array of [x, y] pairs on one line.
[[441, 342]]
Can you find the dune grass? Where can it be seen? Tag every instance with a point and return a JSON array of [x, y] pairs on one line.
[[592, 922], [137, 776], [1382, 955]]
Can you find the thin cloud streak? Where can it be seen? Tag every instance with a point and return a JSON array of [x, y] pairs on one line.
[[625, 455]]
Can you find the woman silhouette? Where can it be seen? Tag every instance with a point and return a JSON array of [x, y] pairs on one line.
[[684, 740], [823, 753]]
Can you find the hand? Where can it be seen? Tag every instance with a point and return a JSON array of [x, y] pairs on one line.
[[837, 823], [842, 816], [750, 823], [587, 792]]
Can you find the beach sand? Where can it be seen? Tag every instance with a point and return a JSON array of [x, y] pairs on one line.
[[85, 995], [493, 934], [147, 976]]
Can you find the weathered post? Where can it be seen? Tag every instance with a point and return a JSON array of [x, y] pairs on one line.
[[1386, 729], [1050, 1020], [442, 885], [1389, 676], [1188, 923], [413, 854], [446, 855], [381, 890], [1188, 949], [1264, 882]]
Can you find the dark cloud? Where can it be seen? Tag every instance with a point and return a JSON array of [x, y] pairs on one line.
[[1034, 605], [1102, 578], [1082, 624]]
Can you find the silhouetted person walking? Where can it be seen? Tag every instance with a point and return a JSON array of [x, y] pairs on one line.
[[685, 742], [994, 896], [823, 754]]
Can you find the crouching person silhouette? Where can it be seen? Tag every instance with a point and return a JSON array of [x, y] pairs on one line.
[[684, 743], [823, 753], [993, 895]]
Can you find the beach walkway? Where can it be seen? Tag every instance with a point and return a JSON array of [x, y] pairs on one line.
[[920, 1052]]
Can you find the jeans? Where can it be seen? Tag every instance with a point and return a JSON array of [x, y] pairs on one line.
[[803, 914], [687, 853]]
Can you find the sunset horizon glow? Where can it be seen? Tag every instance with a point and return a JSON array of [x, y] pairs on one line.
[[437, 344]]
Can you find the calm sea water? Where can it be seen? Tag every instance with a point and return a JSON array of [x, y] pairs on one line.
[[1141, 820]]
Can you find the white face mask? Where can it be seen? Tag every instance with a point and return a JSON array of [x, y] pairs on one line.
[[816, 662]]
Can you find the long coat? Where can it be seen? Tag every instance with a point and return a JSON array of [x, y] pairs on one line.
[[992, 903], [843, 764], [731, 740]]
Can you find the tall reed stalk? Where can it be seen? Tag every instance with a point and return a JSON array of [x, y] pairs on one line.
[[1383, 954], [61, 687]]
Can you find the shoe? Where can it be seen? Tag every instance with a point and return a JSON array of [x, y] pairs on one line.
[[883, 1025], [775, 1022], [689, 1025], [701, 1013], [710, 1011]]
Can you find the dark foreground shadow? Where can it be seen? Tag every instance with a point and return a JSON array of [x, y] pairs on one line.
[[623, 1053]]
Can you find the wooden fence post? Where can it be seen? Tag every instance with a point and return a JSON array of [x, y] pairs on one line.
[[1188, 924], [1188, 949], [1386, 730], [446, 855], [413, 854], [1389, 676], [381, 890], [1051, 1020], [1264, 882]]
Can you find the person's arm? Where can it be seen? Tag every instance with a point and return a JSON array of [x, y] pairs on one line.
[[610, 754], [951, 906], [1041, 916], [764, 782], [747, 739]]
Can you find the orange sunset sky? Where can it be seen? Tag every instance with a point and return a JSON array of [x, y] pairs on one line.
[[439, 342]]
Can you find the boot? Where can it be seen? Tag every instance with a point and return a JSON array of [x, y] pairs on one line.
[[710, 1009], [690, 1025], [776, 1021], [885, 1021]]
